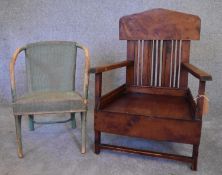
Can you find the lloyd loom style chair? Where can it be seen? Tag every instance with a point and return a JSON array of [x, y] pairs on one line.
[[50, 68], [155, 103]]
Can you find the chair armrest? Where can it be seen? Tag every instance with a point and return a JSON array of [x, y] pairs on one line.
[[203, 77], [98, 78], [86, 71], [198, 73], [105, 68], [12, 71]]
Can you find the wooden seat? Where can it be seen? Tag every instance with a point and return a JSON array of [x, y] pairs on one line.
[[151, 105], [155, 102]]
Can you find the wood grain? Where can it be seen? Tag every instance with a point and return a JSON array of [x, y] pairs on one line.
[[148, 127], [200, 74], [153, 105], [185, 57], [130, 57], [109, 67], [160, 24]]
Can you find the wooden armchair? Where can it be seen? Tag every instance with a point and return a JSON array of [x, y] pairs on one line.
[[50, 70], [155, 103]]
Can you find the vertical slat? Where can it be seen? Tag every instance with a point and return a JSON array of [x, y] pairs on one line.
[[164, 58], [150, 49], [171, 63], [153, 62], [145, 73], [178, 64], [180, 48], [167, 47], [185, 54], [130, 56], [175, 64], [136, 63], [147, 61], [152, 56], [158, 63], [142, 62], [140, 65]]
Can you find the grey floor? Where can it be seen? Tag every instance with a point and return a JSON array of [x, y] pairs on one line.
[[54, 149]]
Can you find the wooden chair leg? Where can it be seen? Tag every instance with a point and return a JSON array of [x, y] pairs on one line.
[[18, 135], [31, 123], [83, 131], [195, 157], [73, 121], [97, 141]]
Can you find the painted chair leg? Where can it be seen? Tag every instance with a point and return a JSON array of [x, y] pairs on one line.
[[73, 121], [83, 131], [31, 123], [18, 135], [97, 141], [195, 157]]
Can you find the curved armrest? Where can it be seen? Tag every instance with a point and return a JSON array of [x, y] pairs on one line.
[[198, 73], [86, 71], [105, 68], [12, 71]]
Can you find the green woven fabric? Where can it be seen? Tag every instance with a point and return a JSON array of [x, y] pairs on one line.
[[51, 65], [49, 102]]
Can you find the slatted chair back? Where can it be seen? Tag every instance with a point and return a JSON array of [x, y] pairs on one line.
[[158, 41], [51, 65]]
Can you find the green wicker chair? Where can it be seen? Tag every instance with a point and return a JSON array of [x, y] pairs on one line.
[[50, 69]]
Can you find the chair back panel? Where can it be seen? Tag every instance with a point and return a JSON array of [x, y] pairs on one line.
[[158, 41], [159, 24], [51, 65]]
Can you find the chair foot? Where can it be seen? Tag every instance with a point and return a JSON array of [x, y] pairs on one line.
[[194, 166], [195, 157], [97, 150], [20, 154], [73, 121], [97, 141], [83, 150], [31, 123], [18, 135], [83, 132]]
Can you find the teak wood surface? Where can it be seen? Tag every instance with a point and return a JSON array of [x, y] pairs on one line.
[[155, 102]]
